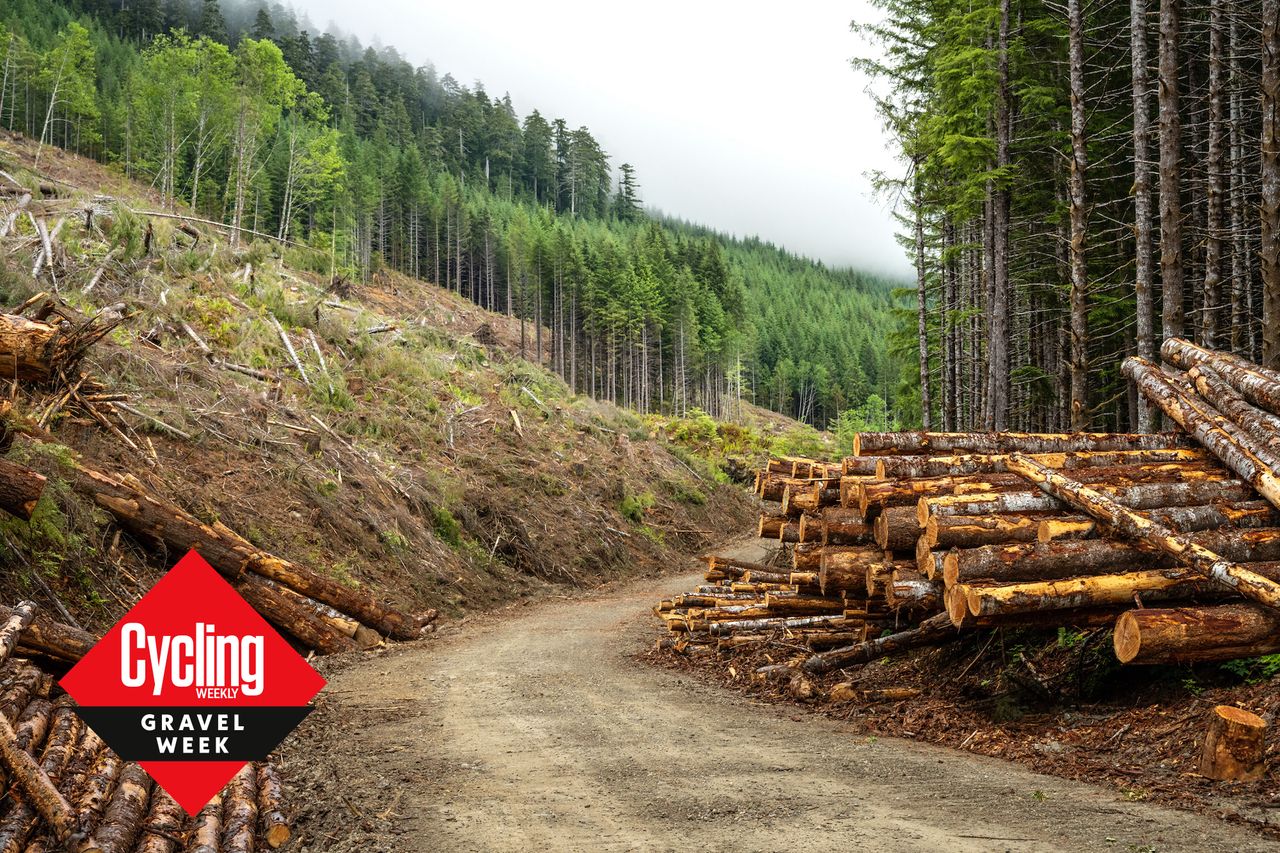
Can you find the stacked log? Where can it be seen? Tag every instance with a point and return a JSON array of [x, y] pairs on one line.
[[927, 535], [69, 791]]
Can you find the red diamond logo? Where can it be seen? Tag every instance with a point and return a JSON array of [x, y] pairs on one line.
[[192, 683]]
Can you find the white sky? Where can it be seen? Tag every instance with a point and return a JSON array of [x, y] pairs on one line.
[[744, 116]]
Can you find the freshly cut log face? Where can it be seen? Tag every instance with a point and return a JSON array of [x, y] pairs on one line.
[[908, 443], [1196, 634]]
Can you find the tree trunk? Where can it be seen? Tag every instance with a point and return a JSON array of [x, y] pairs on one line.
[[162, 829], [1262, 426], [1184, 635], [1170, 178], [998, 309], [1077, 592], [240, 812], [1269, 206], [1079, 224], [922, 310], [1212, 313], [206, 835], [1185, 519], [896, 528], [11, 627], [1259, 385], [53, 639], [1142, 281], [972, 531]]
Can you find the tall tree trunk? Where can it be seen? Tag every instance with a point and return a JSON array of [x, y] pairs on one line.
[[1079, 225], [922, 311], [1270, 202], [1211, 317], [998, 364], [1170, 180], [1141, 197], [1240, 288]]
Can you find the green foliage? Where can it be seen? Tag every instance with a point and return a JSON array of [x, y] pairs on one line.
[[447, 528], [871, 416], [1254, 670], [634, 507]]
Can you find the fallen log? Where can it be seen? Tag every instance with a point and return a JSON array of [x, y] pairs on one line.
[[1030, 561], [897, 528], [93, 796], [904, 467], [274, 825], [1262, 425], [294, 618], [972, 531], [842, 526], [730, 627], [12, 626], [162, 830], [240, 811], [1076, 593], [118, 831], [1258, 385], [20, 489], [1181, 546], [933, 631], [1182, 635], [39, 795], [206, 835], [1237, 450], [1234, 745], [152, 517], [53, 639], [844, 568], [1184, 519], [910, 443], [1143, 496]]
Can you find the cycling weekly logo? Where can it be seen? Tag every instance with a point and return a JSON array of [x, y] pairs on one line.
[[192, 683]]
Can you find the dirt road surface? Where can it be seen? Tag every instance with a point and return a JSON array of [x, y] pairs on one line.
[[534, 729]]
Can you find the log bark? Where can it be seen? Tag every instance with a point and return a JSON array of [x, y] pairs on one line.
[[150, 516], [896, 529], [845, 568], [1238, 451], [240, 812], [1080, 592], [21, 684], [273, 825], [20, 489], [1032, 561], [915, 443], [30, 351], [972, 531], [118, 831], [734, 567], [162, 831], [53, 639], [771, 526], [1257, 384], [206, 835], [1181, 546], [1181, 635], [17, 621], [39, 796], [933, 631], [731, 627], [94, 795], [1234, 745], [1184, 519], [842, 526], [1262, 425], [902, 467], [1142, 496], [299, 621]]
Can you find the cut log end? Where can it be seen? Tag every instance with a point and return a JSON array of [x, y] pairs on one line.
[[1233, 745]]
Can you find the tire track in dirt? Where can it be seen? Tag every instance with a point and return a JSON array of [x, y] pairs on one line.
[[534, 730]]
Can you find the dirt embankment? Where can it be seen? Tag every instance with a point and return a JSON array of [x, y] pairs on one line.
[[537, 728]]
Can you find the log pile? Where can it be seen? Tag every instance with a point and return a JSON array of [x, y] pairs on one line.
[[66, 790], [918, 538]]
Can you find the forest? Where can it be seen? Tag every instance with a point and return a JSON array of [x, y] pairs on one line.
[[363, 162], [1083, 179]]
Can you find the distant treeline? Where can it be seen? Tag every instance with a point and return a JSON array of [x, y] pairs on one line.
[[240, 113]]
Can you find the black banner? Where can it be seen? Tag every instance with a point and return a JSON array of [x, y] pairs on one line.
[[204, 733]]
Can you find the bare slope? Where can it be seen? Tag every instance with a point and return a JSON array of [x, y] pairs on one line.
[[422, 458]]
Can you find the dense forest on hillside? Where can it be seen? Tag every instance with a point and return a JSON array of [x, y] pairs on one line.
[[1084, 179], [239, 113]]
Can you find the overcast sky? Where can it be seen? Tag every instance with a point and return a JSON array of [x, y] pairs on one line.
[[744, 116]]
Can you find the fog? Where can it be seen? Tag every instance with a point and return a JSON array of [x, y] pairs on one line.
[[743, 116]]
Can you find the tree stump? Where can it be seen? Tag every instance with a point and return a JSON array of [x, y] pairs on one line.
[[1233, 745]]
